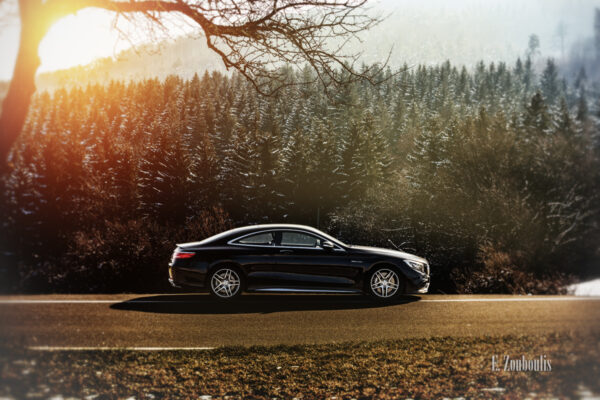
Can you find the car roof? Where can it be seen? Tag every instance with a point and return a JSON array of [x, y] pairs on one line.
[[232, 233]]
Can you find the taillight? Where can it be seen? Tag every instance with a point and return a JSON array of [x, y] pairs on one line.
[[183, 254]]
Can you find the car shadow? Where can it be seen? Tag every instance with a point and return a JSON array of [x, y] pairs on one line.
[[253, 304]]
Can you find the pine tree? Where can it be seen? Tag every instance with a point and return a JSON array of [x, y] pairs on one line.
[[582, 107], [371, 161], [204, 170], [549, 82], [324, 170], [536, 116], [237, 176], [267, 185], [428, 156], [296, 187], [164, 171]]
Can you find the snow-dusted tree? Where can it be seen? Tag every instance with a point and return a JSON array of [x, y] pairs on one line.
[[549, 82], [296, 186], [371, 160], [164, 178], [536, 116]]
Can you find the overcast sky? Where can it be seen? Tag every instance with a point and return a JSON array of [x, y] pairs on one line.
[[419, 31]]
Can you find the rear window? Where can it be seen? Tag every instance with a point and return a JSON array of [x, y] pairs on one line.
[[265, 238]]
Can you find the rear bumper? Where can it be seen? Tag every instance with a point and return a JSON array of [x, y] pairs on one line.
[[186, 278], [175, 285]]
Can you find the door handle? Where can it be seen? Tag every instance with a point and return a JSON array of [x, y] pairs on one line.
[[286, 251]]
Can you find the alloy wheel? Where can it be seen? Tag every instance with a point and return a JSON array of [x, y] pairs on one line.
[[225, 283], [385, 283]]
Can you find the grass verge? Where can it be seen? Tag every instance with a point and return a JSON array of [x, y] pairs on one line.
[[411, 368]]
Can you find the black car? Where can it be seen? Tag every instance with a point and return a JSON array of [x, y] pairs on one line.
[[293, 258]]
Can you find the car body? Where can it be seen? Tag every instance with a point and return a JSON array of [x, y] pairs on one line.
[[293, 258]]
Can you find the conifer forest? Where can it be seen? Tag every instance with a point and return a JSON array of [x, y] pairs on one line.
[[492, 173]]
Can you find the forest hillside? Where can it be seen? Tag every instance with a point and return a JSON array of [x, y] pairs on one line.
[[493, 174]]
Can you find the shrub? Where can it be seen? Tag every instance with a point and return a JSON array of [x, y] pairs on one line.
[[497, 272], [130, 256]]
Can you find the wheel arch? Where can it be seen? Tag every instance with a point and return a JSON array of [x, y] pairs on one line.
[[397, 266]]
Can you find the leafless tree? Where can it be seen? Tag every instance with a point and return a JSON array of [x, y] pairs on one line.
[[253, 37]]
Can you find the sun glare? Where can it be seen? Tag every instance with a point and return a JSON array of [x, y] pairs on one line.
[[79, 39], [83, 37]]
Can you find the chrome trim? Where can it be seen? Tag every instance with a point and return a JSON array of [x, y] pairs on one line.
[[232, 241], [172, 282], [305, 290], [424, 289]]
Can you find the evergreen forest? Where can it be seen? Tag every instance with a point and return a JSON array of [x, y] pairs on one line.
[[491, 173]]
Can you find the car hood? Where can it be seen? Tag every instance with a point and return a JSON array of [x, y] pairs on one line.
[[387, 252]]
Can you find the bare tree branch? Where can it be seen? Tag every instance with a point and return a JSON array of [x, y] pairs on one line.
[[254, 37]]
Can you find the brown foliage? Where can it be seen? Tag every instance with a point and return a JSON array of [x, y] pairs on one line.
[[431, 368], [121, 256], [498, 272]]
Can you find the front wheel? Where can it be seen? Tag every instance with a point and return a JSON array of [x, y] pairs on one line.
[[225, 283], [385, 283]]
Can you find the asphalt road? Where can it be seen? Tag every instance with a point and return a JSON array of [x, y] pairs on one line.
[[160, 321]]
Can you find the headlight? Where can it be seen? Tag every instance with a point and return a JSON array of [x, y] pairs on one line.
[[416, 265]]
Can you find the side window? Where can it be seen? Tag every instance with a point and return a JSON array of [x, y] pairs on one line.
[[299, 239], [264, 238]]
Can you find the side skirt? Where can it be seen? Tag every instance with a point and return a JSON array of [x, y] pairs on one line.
[[295, 290]]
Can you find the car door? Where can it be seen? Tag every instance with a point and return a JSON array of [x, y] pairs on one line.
[[256, 254], [303, 263]]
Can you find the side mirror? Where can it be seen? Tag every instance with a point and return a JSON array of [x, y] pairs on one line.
[[327, 245]]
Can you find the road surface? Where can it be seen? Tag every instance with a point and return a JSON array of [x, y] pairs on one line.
[[197, 321]]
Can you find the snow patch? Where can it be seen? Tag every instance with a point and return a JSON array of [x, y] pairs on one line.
[[590, 288]]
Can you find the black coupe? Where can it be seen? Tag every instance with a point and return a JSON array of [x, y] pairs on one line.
[[293, 258]]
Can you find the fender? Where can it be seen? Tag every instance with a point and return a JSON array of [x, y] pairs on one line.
[[410, 274]]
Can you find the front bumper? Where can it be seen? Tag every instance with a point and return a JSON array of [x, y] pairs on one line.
[[424, 289], [419, 286], [420, 280]]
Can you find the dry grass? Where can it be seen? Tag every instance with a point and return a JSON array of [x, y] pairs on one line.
[[415, 368]]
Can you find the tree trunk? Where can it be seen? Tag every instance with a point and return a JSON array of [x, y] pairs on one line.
[[22, 85]]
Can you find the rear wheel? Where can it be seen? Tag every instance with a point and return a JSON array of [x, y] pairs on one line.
[[385, 283], [225, 283]]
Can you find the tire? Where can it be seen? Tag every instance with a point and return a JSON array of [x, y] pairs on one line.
[[385, 283], [226, 283]]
